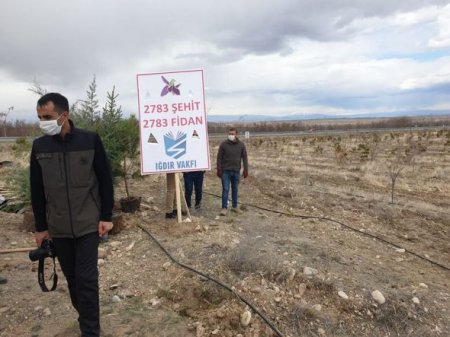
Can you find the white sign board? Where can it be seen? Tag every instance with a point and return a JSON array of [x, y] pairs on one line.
[[172, 122]]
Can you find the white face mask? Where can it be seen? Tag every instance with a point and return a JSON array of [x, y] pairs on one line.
[[50, 128], [231, 138]]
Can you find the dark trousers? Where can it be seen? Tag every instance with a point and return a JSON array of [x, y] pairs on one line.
[[193, 179], [78, 260]]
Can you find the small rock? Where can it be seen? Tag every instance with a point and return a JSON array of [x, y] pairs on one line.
[[301, 289], [38, 308], [215, 332], [246, 317], [321, 332], [291, 275], [166, 265], [423, 285], [309, 271], [400, 250], [155, 301], [101, 262], [317, 307], [343, 295], [115, 244], [130, 246], [46, 312], [116, 299], [415, 300], [3, 310], [200, 330], [114, 286], [378, 297], [14, 243], [102, 253], [277, 299]]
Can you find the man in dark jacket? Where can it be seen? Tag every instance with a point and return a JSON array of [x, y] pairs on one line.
[[231, 153], [72, 199]]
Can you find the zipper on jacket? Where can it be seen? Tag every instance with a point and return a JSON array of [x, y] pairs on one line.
[[67, 188]]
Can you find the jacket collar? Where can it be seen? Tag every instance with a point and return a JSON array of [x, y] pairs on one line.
[[68, 136]]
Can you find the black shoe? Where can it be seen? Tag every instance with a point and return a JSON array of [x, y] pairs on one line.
[[3, 280], [197, 206], [171, 215]]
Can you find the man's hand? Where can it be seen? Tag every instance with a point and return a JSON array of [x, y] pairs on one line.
[[219, 173], [40, 236], [245, 174], [104, 227]]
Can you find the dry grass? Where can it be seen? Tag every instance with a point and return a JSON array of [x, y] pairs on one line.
[[246, 259]]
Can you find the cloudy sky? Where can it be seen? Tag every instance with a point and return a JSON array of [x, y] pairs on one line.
[[258, 56]]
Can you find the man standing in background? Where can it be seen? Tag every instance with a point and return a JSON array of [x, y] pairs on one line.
[[231, 153]]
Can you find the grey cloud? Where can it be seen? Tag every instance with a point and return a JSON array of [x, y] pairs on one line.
[[68, 41]]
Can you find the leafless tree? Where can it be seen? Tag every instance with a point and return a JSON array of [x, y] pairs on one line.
[[37, 88], [395, 166], [3, 117]]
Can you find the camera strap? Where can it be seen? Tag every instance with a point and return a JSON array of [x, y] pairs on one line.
[[41, 276]]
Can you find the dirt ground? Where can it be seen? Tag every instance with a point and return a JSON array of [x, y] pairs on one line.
[[308, 275]]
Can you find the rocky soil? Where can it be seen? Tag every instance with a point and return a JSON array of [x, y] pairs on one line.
[[309, 276]]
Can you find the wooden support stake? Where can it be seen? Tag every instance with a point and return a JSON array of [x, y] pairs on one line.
[[183, 198], [16, 250], [178, 196]]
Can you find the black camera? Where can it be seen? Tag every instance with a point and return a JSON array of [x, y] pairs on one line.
[[46, 250]]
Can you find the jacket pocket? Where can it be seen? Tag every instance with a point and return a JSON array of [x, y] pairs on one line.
[[51, 167], [80, 165]]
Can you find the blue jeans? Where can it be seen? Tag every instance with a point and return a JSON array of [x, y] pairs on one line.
[[227, 178], [193, 179]]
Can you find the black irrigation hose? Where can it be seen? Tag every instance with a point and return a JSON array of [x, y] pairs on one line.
[[343, 225], [255, 310]]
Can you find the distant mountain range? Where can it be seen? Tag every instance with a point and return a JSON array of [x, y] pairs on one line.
[[300, 117]]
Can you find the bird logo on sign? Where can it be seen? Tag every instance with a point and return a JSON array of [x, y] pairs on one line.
[[170, 87]]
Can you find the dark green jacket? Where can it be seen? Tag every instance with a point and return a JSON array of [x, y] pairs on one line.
[[230, 155], [71, 184]]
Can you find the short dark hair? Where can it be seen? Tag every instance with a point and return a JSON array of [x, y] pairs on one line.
[[59, 101], [233, 129]]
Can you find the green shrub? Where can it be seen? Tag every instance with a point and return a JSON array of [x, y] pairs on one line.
[[20, 184]]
